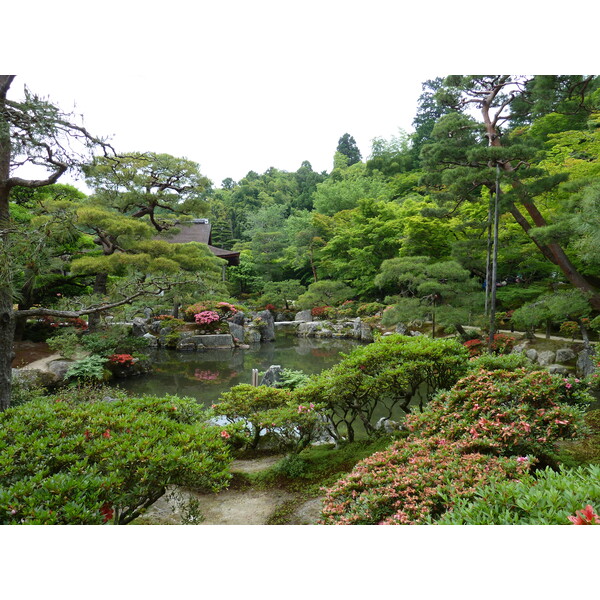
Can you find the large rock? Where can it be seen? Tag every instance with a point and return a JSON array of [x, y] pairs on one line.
[[32, 378], [531, 354], [251, 335], [586, 362], [310, 328], [362, 331], [60, 367], [564, 355], [238, 318], [237, 331], [267, 328], [401, 328], [547, 357], [272, 375], [152, 340], [520, 348], [558, 370], [139, 327], [303, 315]]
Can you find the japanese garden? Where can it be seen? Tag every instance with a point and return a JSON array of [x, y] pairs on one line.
[[408, 338]]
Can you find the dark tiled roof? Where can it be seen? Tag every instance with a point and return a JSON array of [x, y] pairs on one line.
[[193, 232], [200, 232]]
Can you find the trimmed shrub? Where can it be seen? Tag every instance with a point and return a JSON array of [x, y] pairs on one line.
[[262, 409], [500, 362], [69, 462], [379, 377], [548, 498]]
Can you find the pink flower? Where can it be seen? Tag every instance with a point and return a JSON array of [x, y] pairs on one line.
[[522, 459], [587, 516], [225, 435]]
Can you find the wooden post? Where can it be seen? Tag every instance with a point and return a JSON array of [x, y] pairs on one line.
[[255, 377]]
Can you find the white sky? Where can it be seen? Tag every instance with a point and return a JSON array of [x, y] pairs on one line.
[[239, 86]]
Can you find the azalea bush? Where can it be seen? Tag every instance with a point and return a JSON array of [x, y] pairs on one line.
[[225, 310], [323, 312], [501, 344], [414, 480], [474, 346], [375, 379], [507, 412], [545, 498], [64, 460], [121, 359]]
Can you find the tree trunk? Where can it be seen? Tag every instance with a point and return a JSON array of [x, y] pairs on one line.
[[7, 317], [552, 251], [100, 287], [7, 325]]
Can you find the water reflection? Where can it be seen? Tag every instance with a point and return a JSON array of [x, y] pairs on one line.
[[206, 375]]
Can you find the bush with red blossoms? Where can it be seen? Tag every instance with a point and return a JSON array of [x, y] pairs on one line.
[[121, 359], [413, 481], [507, 413]]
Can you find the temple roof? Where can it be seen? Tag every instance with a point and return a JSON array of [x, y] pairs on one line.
[[199, 230]]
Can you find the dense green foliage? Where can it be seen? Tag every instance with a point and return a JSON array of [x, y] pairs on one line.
[[66, 460], [259, 412], [546, 498], [373, 380]]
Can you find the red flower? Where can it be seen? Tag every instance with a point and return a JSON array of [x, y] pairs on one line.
[[107, 512], [587, 516], [106, 434], [87, 435]]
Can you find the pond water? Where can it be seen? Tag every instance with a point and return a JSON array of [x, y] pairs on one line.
[[206, 375]]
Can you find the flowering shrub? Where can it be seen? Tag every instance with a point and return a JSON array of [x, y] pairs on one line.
[[322, 312], [225, 310], [502, 344], [206, 317], [121, 359], [509, 413], [69, 461], [415, 479], [587, 516], [270, 307], [474, 346], [546, 497]]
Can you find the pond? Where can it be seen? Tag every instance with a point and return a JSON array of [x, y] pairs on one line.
[[206, 375]]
